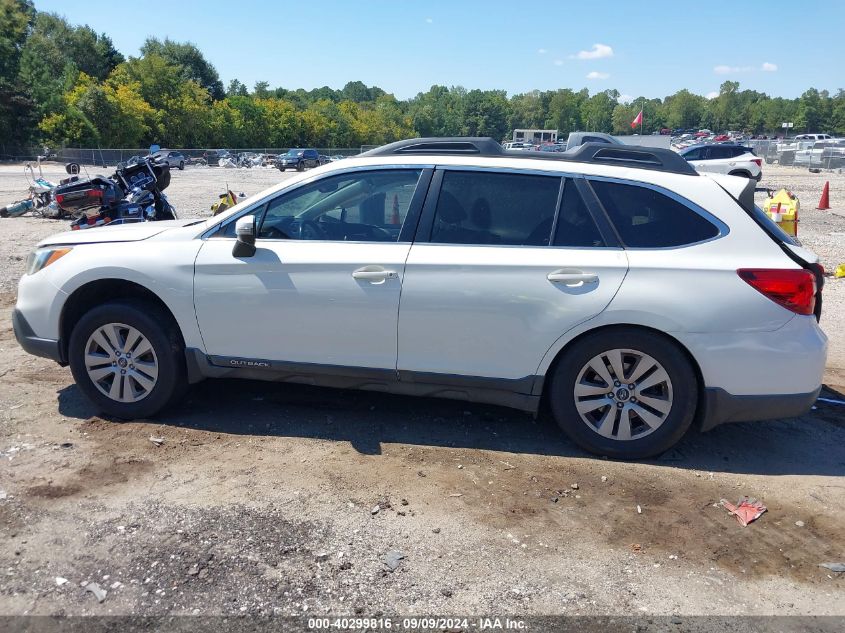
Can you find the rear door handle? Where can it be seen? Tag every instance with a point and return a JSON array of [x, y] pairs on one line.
[[374, 274], [572, 278]]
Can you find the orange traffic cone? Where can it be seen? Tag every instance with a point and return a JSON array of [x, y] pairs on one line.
[[824, 202], [394, 217]]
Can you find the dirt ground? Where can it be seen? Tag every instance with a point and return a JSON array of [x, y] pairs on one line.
[[284, 499]]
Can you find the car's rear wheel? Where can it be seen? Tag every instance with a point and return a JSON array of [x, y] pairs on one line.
[[181, 165], [128, 359], [300, 166], [625, 393]]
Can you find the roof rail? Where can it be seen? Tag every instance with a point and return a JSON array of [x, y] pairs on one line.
[[651, 158]]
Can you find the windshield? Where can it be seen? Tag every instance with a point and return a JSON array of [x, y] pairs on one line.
[[294, 152]]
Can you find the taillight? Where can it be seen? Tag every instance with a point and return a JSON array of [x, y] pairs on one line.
[[757, 161], [794, 289]]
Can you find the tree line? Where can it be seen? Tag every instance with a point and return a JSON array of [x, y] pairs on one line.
[[62, 84]]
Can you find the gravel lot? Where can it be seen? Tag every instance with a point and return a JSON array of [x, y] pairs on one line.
[[267, 498]]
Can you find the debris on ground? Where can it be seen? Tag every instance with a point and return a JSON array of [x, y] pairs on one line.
[[158, 441], [746, 510], [604, 479], [574, 486], [636, 548], [60, 581], [639, 509], [99, 592], [375, 510], [393, 559], [799, 523], [834, 567]]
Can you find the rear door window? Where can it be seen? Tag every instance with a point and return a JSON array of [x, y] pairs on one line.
[[720, 152], [694, 154], [479, 207], [646, 218]]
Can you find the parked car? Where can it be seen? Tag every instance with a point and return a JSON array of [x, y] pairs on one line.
[[635, 297], [814, 156], [170, 158], [579, 138], [724, 158], [833, 156], [214, 156], [299, 159]]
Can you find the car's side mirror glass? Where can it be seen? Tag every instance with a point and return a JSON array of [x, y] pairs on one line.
[[245, 234]]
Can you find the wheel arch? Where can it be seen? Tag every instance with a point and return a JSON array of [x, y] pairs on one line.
[[97, 292], [742, 173], [564, 350]]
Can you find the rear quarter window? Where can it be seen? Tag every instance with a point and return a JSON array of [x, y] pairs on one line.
[[646, 218]]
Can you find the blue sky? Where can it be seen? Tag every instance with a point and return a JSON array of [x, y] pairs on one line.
[[639, 47]]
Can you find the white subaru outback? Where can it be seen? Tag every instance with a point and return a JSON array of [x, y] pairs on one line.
[[633, 296]]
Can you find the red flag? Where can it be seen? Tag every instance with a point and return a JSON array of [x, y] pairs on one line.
[[638, 120]]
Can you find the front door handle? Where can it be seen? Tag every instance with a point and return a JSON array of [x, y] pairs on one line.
[[374, 274], [572, 277]]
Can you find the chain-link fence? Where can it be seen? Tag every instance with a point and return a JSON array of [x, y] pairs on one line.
[[807, 154], [112, 156]]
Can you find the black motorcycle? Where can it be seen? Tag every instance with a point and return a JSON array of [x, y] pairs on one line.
[[134, 193]]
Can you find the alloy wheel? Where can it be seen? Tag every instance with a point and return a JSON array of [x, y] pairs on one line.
[[623, 394], [121, 362]]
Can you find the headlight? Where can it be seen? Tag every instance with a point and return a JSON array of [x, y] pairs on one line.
[[43, 257]]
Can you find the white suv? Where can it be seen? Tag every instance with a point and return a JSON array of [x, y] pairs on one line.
[[633, 296], [734, 160]]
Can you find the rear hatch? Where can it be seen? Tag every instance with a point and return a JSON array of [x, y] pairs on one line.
[[742, 190]]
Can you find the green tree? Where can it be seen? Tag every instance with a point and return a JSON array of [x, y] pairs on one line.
[[190, 60], [565, 108], [17, 116]]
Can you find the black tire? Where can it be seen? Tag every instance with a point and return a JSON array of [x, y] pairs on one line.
[[181, 165], [300, 166], [281, 168], [162, 334], [741, 173], [664, 351]]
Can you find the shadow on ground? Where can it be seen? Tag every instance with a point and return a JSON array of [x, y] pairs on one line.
[[811, 445]]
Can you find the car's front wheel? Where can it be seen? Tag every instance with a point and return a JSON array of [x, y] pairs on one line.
[[128, 359], [625, 393], [181, 165]]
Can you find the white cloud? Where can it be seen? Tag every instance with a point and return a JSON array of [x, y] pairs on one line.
[[711, 95], [597, 52], [598, 75], [768, 67], [429, 20], [541, 51], [625, 99], [731, 70], [558, 62]]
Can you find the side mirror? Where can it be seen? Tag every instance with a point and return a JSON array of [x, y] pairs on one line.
[[245, 232]]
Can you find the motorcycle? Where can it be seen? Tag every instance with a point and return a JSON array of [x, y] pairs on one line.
[[134, 193]]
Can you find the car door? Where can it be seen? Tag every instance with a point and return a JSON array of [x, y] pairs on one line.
[[323, 286], [497, 275]]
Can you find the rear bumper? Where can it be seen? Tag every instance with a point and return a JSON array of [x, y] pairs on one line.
[[721, 407], [32, 344]]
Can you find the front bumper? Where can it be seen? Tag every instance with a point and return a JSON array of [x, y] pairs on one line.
[[32, 344], [721, 407]]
